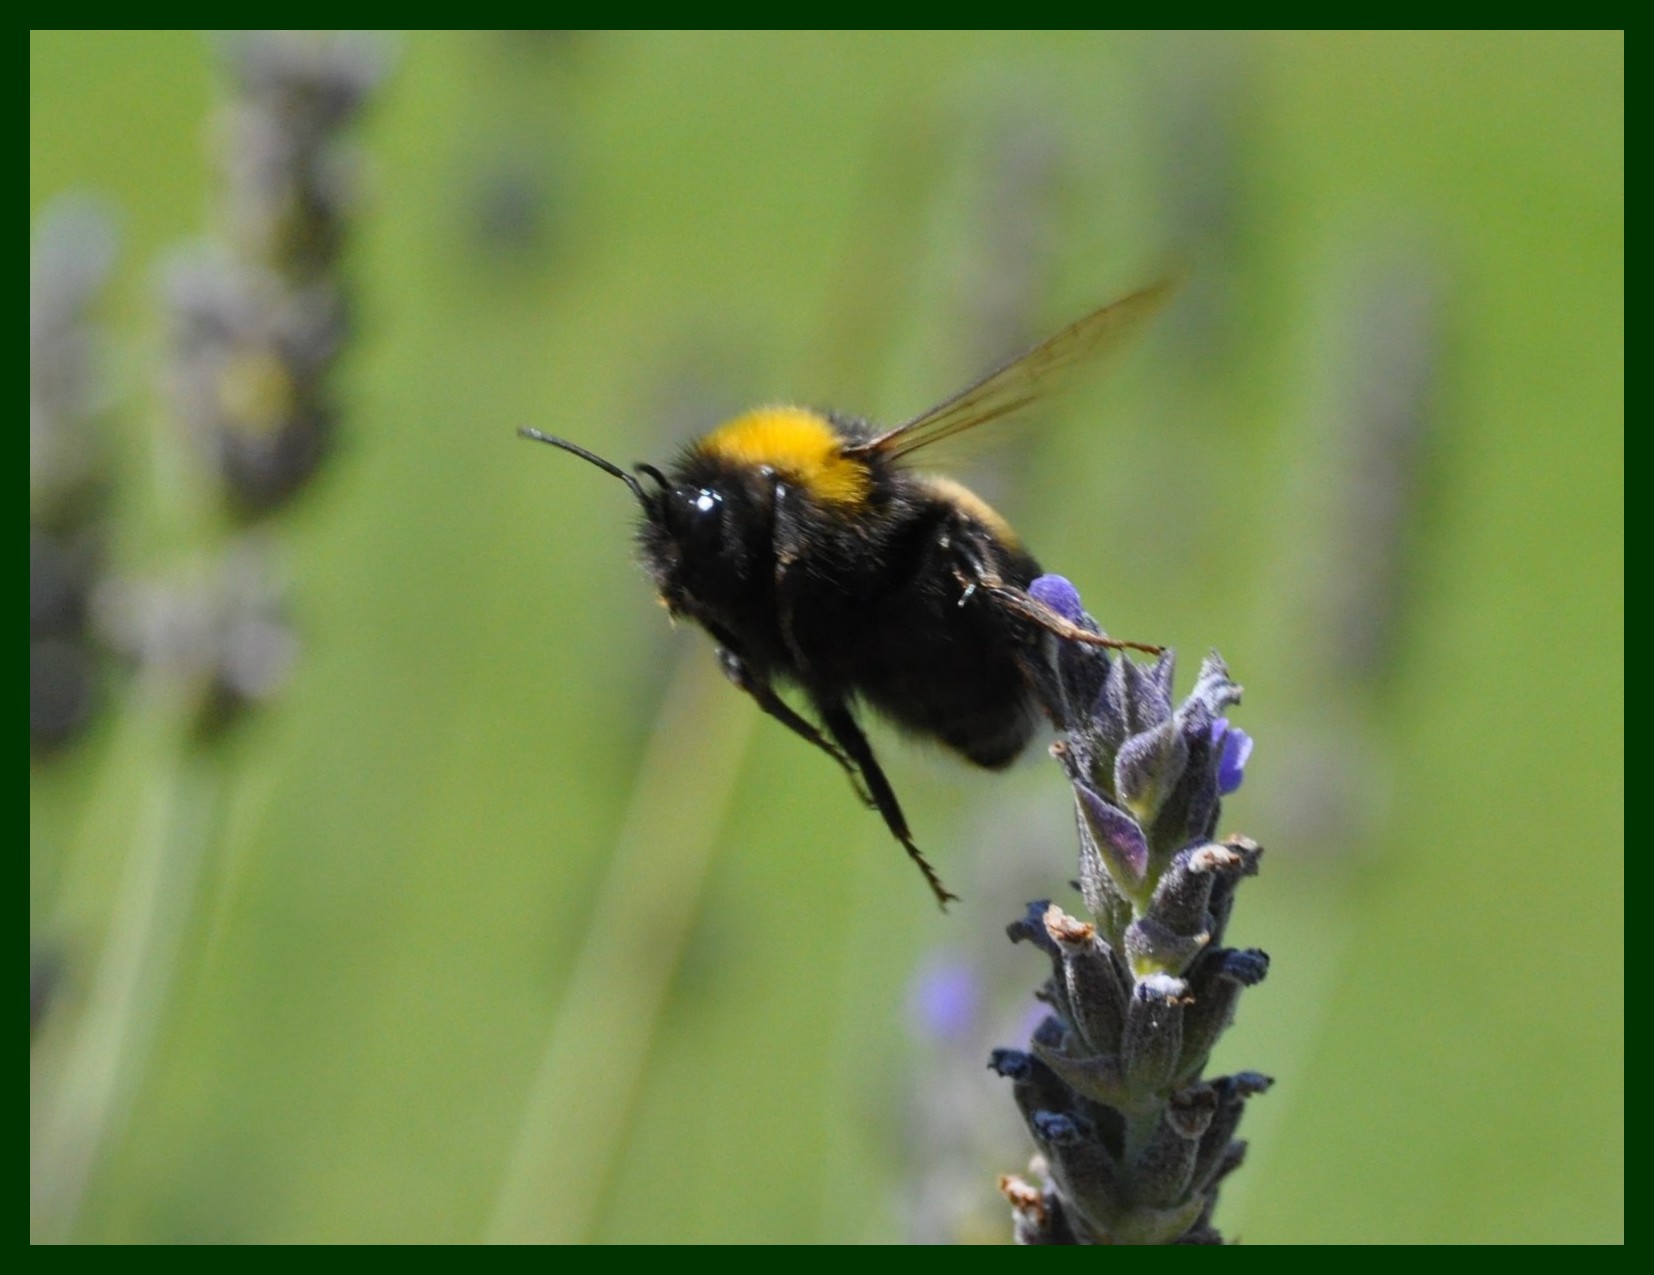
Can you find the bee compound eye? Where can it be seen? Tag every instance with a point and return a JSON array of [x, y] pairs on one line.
[[700, 514]]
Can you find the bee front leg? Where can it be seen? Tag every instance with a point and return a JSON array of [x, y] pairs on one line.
[[741, 674], [839, 722]]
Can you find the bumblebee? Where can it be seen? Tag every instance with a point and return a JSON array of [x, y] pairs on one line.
[[815, 558]]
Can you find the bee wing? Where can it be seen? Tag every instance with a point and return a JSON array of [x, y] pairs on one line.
[[1024, 379]]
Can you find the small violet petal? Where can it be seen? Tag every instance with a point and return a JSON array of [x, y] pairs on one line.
[[1234, 746], [1058, 594]]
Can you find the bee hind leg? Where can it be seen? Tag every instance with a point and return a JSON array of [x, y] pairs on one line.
[[975, 577], [1030, 608], [763, 694], [842, 726]]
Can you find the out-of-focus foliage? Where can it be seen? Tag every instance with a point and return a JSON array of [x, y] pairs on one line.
[[517, 923]]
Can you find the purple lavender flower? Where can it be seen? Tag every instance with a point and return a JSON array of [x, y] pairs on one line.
[[1133, 1143]]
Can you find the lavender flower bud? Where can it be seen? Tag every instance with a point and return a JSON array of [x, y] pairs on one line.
[[1163, 1170], [1217, 981], [1222, 901], [1219, 1154], [1153, 1040], [1094, 982]]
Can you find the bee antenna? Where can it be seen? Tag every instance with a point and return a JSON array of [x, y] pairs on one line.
[[607, 467], [650, 471]]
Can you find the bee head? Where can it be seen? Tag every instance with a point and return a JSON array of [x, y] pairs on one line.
[[702, 529], [706, 537]]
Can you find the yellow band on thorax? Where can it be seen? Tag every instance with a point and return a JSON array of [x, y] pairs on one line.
[[800, 445]]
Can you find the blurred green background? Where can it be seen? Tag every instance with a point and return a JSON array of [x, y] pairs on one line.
[[507, 920]]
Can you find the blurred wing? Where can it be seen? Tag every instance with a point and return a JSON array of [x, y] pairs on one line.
[[1024, 379]]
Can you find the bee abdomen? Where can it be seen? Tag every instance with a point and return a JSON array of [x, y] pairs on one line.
[[993, 742], [979, 707]]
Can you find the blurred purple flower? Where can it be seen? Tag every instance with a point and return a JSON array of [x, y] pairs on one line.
[[945, 1000]]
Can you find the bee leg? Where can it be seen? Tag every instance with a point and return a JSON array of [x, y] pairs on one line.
[[975, 577], [763, 694], [842, 726], [1029, 608]]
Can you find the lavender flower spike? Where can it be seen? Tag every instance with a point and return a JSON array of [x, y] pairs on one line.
[[1133, 1144]]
